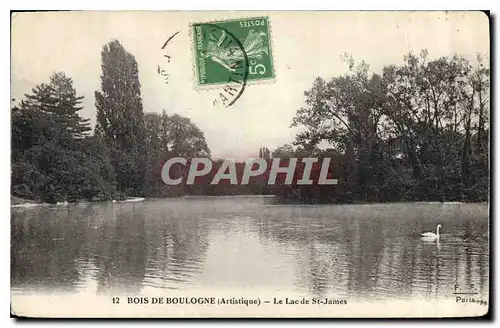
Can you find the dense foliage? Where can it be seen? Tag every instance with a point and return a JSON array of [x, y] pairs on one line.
[[120, 116], [417, 131], [53, 158], [56, 159], [169, 136]]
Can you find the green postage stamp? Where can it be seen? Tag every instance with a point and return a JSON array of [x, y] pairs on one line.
[[233, 51]]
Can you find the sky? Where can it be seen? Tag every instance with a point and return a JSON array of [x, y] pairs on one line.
[[305, 45]]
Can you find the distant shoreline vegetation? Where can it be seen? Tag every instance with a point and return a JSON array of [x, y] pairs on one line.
[[416, 131], [17, 202]]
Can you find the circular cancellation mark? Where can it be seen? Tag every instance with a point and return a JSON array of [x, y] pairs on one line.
[[221, 60]]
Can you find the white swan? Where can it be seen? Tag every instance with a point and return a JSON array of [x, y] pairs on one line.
[[432, 235]]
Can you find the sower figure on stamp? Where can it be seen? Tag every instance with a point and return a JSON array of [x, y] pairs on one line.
[[230, 57]]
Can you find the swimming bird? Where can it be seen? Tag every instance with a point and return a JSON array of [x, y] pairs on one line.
[[432, 235]]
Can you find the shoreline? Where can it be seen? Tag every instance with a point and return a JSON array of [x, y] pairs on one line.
[[18, 202]]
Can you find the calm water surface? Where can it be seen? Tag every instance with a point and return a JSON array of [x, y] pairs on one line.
[[237, 243]]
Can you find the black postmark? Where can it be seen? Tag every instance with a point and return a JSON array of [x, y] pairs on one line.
[[236, 80], [161, 71]]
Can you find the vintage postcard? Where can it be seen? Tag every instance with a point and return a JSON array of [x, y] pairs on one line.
[[250, 164]]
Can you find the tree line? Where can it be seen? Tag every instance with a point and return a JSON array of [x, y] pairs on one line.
[[417, 131], [56, 157]]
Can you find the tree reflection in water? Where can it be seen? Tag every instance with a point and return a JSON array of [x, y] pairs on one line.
[[367, 252]]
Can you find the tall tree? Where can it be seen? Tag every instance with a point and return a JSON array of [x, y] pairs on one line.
[[66, 105], [120, 116], [265, 153], [57, 100]]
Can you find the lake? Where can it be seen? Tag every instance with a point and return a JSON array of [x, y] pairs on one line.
[[358, 252]]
